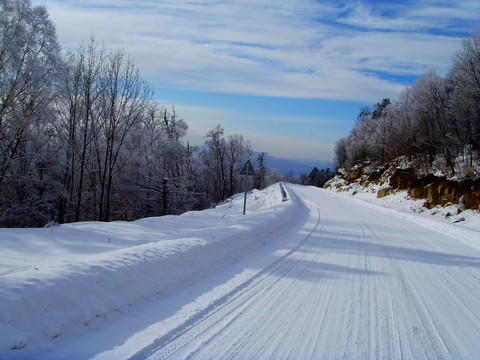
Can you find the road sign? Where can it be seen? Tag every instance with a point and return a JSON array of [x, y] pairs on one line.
[[247, 169]]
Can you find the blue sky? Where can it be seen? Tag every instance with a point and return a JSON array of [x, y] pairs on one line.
[[290, 76]]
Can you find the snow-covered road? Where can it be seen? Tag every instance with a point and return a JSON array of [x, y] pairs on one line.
[[359, 283], [322, 276]]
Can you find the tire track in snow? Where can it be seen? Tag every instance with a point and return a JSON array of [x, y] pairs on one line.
[[384, 290], [427, 330], [388, 316], [231, 305], [269, 294]]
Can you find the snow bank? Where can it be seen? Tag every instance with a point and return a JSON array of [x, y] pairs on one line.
[[55, 282], [464, 226]]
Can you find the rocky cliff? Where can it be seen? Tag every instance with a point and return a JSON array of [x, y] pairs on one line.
[[385, 179]]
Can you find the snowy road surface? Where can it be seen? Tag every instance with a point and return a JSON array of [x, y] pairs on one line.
[[346, 280], [358, 283]]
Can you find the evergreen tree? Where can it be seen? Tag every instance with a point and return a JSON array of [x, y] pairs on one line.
[[261, 172]]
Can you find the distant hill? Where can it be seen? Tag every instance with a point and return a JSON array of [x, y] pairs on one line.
[[296, 166]]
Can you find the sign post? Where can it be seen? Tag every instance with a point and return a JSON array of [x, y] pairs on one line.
[[246, 170]]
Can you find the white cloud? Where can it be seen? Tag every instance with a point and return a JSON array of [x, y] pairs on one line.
[[364, 16], [288, 49], [419, 16], [460, 12], [271, 48], [304, 49], [395, 53]]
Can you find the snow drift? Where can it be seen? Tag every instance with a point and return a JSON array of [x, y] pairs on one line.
[[56, 281]]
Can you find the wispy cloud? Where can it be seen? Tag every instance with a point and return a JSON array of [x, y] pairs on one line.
[[289, 53], [459, 14], [413, 16], [336, 50]]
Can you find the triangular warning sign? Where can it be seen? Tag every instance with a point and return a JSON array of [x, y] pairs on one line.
[[247, 169]]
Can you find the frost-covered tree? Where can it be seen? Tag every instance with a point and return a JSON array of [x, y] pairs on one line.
[[214, 159], [341, 153], [82, 139], [160, 176], [79, 124], [123, 100], [435, 119], [464, 96], [221, 161], [238, 151], [274, 176], [29, 64]]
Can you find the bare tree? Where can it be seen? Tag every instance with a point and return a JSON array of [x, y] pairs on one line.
[[123, 101], [79, 109], [214, 159], [82, 132], [464, 95], [238, 150], [29, 64], [341, 152], [435, 119], [160, 174]]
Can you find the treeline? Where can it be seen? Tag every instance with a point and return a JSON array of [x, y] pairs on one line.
[[437, 119], [316, 177], [81, 137]]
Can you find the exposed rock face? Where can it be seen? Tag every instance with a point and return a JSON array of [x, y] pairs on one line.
[[417, 192], [439, 191], [382, 193], [354, 174], [434, 189]]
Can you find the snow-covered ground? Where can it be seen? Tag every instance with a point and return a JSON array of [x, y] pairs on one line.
[[466, 224], [55, 282], [322, 275]]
